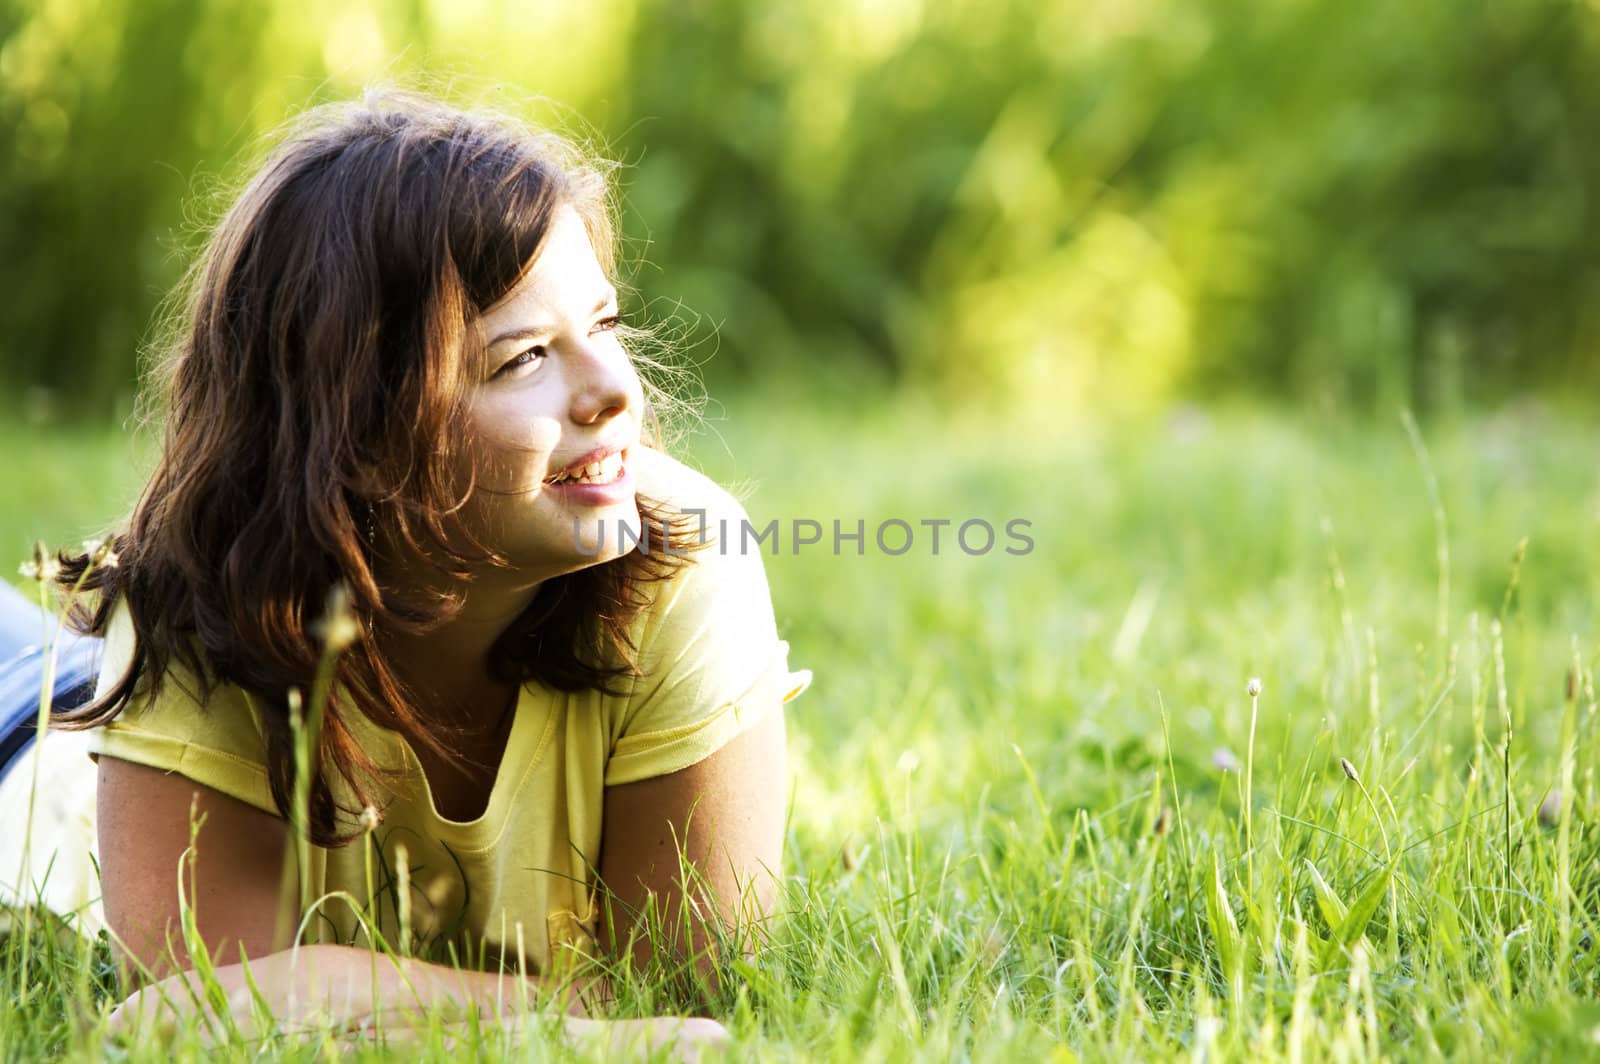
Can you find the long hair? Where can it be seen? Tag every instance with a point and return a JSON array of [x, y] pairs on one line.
[[314, 389]]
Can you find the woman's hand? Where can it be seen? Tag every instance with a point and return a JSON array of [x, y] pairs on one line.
[[629, 1039], [400, 1001], [317, 987]]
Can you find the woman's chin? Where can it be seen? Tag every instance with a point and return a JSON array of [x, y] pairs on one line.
[[607, 536]]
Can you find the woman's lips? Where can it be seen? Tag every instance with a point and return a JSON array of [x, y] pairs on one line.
[[607, 455], [589, 494]]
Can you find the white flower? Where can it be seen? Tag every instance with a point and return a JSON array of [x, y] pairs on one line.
[[43, 566], [1253, 688], [101, 552], [338, 627], [340, 631], [370, 819]]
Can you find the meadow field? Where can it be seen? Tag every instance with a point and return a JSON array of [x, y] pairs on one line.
[[1036, 813]]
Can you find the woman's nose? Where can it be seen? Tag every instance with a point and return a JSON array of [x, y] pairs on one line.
[[602, 385]]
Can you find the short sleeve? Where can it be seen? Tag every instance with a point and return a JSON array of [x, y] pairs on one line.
[[216, 744], [711, 662]]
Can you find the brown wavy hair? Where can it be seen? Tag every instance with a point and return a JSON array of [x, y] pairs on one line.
[[313, 390]]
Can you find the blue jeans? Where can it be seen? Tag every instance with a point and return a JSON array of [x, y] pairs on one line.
[[24, 627]]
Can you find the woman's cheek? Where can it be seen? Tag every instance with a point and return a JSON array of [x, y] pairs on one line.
[[514, 454]]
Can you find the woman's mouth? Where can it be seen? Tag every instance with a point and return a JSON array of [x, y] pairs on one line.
[[604, 471], [601, 482]]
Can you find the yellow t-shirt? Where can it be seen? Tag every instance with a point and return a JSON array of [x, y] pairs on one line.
[[523, 871]]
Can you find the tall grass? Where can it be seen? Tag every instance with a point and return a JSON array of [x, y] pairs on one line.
[[1029, 820]]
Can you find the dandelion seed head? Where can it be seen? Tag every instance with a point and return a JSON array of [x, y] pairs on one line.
[[42, 566], [101, 552], [338, 627]]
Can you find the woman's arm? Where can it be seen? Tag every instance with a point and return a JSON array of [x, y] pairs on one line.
[[345, 986], [237, 871], [364, 993], [725, 815]]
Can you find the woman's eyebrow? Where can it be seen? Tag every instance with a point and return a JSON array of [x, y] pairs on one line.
[[607, 297], [520, 334]]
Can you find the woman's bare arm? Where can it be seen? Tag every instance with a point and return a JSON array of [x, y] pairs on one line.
[[144, 827], [726, 815]]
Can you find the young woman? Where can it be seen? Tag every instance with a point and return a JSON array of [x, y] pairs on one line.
[[410, 500]]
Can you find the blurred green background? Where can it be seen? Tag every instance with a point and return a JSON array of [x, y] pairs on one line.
[[1100, 205], [1156, 276]]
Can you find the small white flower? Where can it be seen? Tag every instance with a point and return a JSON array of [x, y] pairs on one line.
[[43, 566], [339, 632], [101, 553], [338, 627], [1253, 688], [370, 819]]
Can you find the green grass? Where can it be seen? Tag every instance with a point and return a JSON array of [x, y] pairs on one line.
[[63, 486], [1010, 834]]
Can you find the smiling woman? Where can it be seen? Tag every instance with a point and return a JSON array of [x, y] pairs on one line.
[[555, 347], [400, 409]]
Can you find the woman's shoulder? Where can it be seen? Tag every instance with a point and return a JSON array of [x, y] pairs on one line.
[[716, 606], [179, 713], [676, 487], [710, 659], [722, 575]]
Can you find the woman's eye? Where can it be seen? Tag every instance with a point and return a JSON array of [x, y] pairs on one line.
[[530, 356], [608, 324]]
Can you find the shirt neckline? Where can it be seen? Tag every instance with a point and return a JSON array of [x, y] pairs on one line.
[[525, 747]]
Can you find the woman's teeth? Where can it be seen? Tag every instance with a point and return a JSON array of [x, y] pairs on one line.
[[604, 471]]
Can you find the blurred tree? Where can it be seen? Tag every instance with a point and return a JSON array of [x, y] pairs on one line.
[[100, 117], [1105, 202], [1086, 201]]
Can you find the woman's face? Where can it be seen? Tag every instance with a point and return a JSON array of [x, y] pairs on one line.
[[555, 412]]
